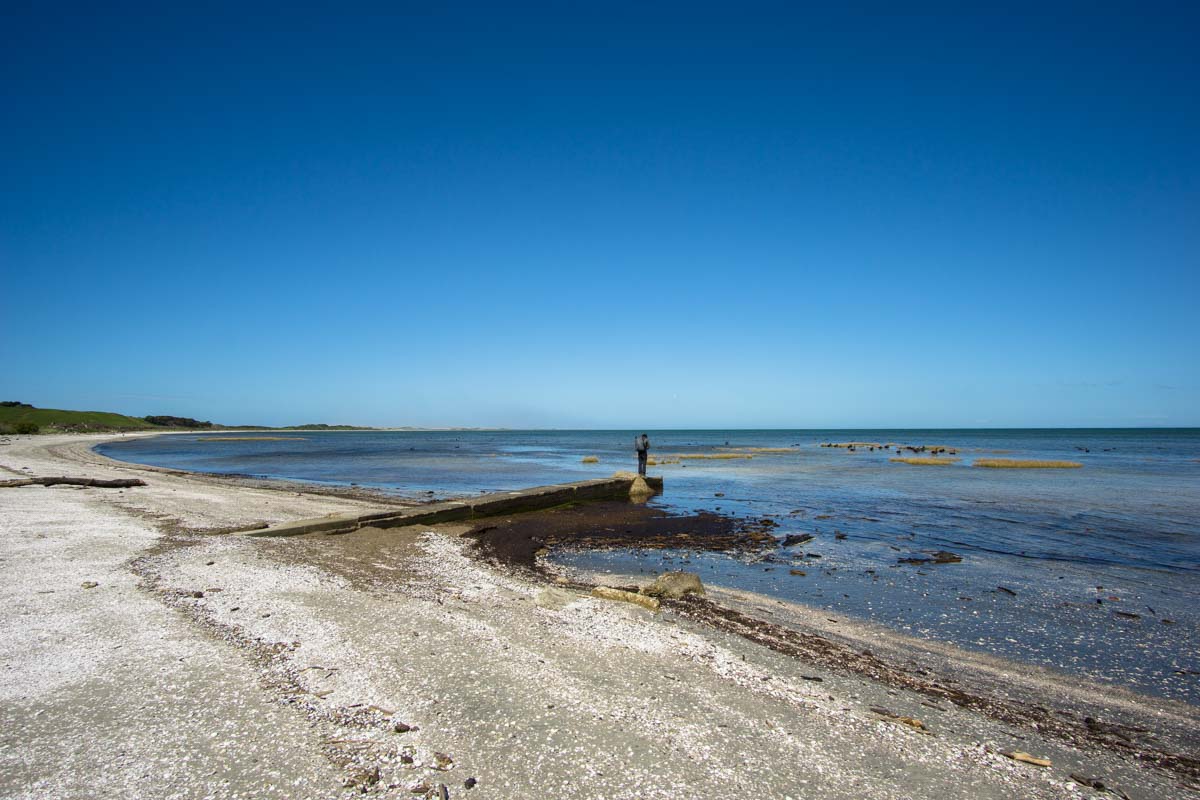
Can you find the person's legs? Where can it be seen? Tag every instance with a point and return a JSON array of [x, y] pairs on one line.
[[641, 462]]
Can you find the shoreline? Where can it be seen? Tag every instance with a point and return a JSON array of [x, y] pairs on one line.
[[982, 682], [341, 598], [730, 535]]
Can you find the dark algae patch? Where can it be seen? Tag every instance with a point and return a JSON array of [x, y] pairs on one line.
[[517, 541]]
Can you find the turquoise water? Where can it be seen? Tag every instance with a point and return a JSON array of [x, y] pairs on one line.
[[1125, 526]]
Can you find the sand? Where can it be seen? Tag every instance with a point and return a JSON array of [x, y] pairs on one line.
[[208, 664]]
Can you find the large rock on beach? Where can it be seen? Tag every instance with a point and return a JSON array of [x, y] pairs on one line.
[[674, 585], [555, 598]]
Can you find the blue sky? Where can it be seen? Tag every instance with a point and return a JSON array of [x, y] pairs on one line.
[[750, 215]]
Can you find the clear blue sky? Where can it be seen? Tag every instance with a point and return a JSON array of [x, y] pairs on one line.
[[681, 216]]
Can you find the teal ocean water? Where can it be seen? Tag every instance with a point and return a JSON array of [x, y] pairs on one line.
[[1101, 563]]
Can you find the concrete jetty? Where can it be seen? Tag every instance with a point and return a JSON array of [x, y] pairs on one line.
[[487, 505]]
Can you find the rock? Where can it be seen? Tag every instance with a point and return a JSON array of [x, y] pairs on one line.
[[89, 584], [799, 572], [362, 778], [1091, 783], [401, 727], [554, 598], [469, 783], [794, 539], [673, 585], [609, 593], [911, 722], [1006, 590], [639, 490], [1025, 758], [442, 761]]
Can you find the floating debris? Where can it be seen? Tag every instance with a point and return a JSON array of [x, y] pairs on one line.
[[937, 557]]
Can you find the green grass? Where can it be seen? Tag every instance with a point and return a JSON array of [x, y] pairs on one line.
[[51, 419]]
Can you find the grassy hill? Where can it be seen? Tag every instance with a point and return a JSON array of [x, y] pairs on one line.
[[18, 417], [49, 419]]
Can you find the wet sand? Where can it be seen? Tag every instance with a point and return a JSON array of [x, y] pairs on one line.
[[208, 664]]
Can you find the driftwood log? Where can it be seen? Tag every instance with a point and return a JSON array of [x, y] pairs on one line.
[[120, 483]]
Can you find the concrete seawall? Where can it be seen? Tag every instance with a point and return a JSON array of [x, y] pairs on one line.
[[488, 505]]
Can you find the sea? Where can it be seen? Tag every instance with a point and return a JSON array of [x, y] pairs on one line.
[[1092, 571]]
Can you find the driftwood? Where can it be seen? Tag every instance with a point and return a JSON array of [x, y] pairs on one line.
[[120, 483]]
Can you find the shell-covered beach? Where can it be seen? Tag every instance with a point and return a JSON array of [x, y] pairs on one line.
[[149, 652]]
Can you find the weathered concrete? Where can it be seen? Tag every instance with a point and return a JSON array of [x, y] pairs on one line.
[[488, 505]]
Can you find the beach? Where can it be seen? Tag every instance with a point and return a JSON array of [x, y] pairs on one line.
[[148, 651]]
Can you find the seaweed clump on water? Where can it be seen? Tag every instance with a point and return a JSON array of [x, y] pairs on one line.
[[1016, 463]]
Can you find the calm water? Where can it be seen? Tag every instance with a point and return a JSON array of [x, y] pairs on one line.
[[1124, 529]]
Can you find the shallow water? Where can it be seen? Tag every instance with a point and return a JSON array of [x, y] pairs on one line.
[[1125, 526]]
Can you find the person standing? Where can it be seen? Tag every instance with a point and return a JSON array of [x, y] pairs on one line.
[[642, 445]]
